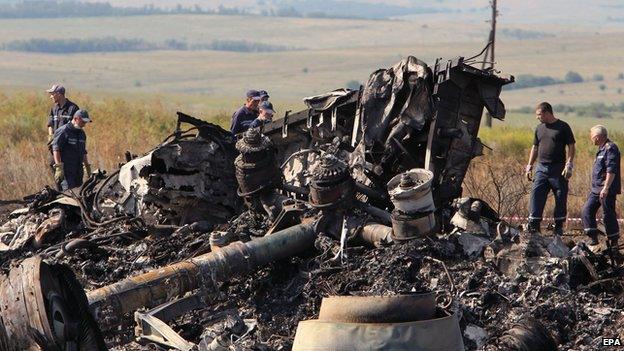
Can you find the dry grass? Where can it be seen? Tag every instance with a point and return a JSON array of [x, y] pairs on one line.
[[138, 124], [119, 125], [498, 176]]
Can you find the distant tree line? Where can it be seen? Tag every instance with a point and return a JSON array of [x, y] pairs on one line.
[[111, 44], [240, 46], [60, 9], [350, 9], [303, 8], [530, 81], [522, 34], [595, 109], [64, 46]]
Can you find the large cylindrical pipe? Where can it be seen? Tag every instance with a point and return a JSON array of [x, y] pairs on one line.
[[155, 287], [375, 234]]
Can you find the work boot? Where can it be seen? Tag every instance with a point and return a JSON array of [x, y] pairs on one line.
[[533, 227], [593, 238], [614, 250], [614, 241], [558, 230]]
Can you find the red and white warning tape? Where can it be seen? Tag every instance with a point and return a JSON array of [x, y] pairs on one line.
[[521, 219]]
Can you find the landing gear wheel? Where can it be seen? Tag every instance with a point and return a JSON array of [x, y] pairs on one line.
[[44, 306]]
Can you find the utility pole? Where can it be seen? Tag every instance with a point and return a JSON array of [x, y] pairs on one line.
[[488, 59]]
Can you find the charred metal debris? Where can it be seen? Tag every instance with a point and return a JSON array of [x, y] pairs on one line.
[[327, 227]]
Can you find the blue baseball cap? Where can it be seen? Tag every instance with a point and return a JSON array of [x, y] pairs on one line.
[[266, 106], [56, 88], [83, 115], [263, 94], [253, 94]]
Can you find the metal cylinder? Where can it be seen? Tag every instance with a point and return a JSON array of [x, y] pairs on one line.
[[407, 226], [157, 286], [391, 323], [331, 185], [413, 214], [378, 309], [410, 191], [375, 234], [256, 167]]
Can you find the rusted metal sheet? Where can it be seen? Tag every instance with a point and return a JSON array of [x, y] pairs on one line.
[[45, 229]]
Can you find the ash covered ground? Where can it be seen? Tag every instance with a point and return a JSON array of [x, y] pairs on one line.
[[574, 307], [558, 292], [576, 312]]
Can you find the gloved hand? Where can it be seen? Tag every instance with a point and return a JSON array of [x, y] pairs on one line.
[[567, 170], [59, 172], [87, 169], [528, 172]]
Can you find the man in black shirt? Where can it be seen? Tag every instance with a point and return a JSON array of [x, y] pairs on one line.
[[62, 111], [553, 170]]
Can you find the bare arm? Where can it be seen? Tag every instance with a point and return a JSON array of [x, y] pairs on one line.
[[532, 155], [57, 157], [608, 181], [571, 153]]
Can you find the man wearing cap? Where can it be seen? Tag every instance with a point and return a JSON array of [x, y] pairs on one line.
[[62, 111], [69, 148], [246, 114], [265, 115], [605, 185], [264, 96]]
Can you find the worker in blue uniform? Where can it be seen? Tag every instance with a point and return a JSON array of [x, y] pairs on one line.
[[69, 149], [605, 186]]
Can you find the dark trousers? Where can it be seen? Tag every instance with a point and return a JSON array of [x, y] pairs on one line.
[[73, 176], [548, 177], [590, 209]]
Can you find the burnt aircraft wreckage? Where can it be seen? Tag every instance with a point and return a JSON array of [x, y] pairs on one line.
[[349, 215]]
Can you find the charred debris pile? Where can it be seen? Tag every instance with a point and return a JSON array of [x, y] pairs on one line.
[[341, 226]]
